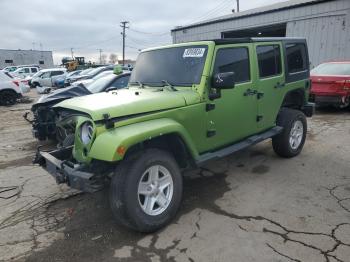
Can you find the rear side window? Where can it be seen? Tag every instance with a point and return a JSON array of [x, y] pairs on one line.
[[34, 70], [57, 73], [296, 58], [26, 70], [269, 59], [233, 60]]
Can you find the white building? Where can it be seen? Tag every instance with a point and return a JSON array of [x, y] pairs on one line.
[[26, 57], [324, 23]]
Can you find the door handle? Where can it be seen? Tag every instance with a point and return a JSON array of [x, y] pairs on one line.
[[250, 92], [279, 85]]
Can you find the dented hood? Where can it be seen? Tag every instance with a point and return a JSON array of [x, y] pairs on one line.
[[62, 94], [130, 101]]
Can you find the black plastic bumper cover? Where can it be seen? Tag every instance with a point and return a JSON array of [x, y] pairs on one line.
[[309, 109], [66, 172]]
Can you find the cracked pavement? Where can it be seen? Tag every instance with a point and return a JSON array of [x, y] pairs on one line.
[[250, 206]]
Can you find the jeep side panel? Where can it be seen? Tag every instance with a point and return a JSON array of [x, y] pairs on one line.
[[232, 116], [112, 145], [270, 82]]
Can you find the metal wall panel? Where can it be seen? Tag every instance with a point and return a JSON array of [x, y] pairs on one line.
[[325, 25]]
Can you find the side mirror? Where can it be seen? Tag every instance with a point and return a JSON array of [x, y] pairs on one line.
[[224, 80]]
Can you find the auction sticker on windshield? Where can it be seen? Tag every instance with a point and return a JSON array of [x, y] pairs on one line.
[[194, 52]]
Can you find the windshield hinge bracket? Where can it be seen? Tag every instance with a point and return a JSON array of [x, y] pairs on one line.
[[209, 107]]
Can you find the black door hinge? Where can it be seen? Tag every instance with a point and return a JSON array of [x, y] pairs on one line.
[[211, 133], [259, 118], [209, 107], [259, 95]]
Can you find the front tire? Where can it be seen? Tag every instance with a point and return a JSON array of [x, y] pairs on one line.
[[146, 190], [290, 142]]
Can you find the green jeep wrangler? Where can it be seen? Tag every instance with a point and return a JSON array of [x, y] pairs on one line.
[[185, 104]]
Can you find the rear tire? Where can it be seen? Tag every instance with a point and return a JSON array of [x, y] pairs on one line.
[[290, 142], [8, 97], [146, 190]]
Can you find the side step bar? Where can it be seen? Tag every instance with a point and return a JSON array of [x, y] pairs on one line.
[[252, 140]]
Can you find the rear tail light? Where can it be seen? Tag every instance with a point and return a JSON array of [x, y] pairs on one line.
[[344, 84], [16, 82]]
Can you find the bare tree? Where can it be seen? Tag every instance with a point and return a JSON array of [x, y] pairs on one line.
[[113, 58]]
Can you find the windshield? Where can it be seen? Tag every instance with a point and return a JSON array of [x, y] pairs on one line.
[[74, 73], [102, 74], [332, 69], [94, 71], [98, 85], [181, 66], [86, 71]]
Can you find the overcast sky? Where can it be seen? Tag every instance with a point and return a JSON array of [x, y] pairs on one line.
[[87, 26]]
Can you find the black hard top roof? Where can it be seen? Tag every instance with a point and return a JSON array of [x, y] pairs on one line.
[[225, 41]]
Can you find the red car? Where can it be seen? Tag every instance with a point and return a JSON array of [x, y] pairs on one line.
[[331, 84]]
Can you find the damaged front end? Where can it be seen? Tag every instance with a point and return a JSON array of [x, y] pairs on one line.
[[61, 165], [44, 122], [64, 163]]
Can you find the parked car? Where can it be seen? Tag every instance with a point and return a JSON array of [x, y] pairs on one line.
[[47, 77], [213, 99], [331, 84], [11, 89], [60, 82], [70, 79], [90, 74], [87, 82], [24, 72], [44, 117], [11, 69]]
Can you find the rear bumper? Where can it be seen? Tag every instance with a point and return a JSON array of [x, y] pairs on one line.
[[75, 176], [328, 100], [309, 109]]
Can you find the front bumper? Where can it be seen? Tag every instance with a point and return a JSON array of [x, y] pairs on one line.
[[76, 176]]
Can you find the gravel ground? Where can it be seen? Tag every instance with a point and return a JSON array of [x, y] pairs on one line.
[[251, 206]]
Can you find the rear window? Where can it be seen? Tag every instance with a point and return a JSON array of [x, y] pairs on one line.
[[332, 69], [296, 58], [269, 58]]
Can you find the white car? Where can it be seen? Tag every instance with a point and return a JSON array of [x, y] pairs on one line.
[[47, 77], [25, 71], [11, 89]]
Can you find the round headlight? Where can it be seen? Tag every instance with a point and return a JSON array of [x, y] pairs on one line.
[[86, 132]]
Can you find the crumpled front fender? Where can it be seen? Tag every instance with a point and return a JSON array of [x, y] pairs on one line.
[[106, 144]]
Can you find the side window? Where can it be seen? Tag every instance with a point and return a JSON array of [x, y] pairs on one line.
[[269, 59], [121, 82], [34, 69], [46, 75], [233, 60], [57, 73], [26, 70], [296, 58]]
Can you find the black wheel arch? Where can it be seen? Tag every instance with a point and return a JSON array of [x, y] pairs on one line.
[[172, 143], [294, 99]]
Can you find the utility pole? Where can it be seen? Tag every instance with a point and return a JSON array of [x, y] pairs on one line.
[[100, 50], [124, 26], [237, 6], [71, 51]]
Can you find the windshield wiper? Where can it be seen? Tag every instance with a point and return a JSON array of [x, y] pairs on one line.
[[166, 83], [141, 85]]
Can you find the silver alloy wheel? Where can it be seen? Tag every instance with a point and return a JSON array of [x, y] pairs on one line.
[[155, 190], [296, 134]]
